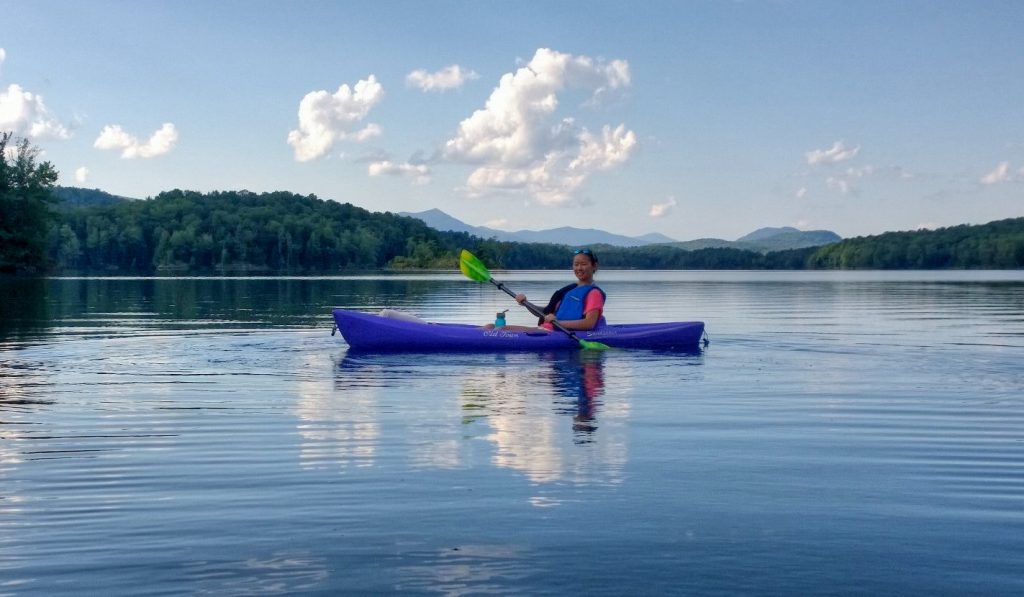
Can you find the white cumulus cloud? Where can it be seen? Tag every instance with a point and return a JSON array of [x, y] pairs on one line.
[[25, 113], [3, 56], [81, 175], [419, 173], [517, 142], [839, 152], [449, 77], [114, 137], [659, 210], [801, 192], [1000, 174], [325, 118]]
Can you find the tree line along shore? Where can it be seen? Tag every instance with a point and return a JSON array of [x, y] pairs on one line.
[[49, 229]]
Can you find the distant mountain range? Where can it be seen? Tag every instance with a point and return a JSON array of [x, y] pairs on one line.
[[761, 240], [765, 240], [439, 220]]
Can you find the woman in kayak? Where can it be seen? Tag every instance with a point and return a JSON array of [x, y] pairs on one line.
[[577, 306]]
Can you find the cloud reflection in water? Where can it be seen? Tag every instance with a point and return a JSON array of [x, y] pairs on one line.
[[545, 415]]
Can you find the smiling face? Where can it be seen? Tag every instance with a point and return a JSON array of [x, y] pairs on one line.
[[583, 268]]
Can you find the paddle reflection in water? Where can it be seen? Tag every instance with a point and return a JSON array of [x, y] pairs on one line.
[[533, 413]]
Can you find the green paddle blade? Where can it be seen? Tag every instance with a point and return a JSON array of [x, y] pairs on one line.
[[473, 268], [590, 345]]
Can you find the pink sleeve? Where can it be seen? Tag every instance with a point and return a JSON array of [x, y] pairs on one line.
[[594, 300]]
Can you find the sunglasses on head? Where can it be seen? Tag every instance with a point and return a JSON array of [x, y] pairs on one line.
[[584, 251]]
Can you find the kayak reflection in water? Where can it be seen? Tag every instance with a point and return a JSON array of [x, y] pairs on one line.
[[579, 376], [578, 306]]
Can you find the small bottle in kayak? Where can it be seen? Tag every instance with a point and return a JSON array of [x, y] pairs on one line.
[[499, 319]]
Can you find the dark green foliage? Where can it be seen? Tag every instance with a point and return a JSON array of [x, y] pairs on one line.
[[284, 232], [791, 259], [243, 231], [996, 245], [25, 198], [507, 255], [796, 239]]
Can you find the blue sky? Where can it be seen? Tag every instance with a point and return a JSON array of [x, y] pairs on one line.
[[693, 119]]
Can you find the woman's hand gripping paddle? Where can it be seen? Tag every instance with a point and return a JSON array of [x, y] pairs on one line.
[[475, 270]]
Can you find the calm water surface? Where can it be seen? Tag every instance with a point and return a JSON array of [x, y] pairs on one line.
[[844, 433]]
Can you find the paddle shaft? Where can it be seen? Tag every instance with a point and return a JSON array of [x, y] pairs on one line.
[[536, 310]]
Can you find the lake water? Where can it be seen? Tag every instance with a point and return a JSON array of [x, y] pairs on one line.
[[843, 433]]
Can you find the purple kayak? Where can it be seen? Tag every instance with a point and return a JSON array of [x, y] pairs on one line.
[[367, 331]]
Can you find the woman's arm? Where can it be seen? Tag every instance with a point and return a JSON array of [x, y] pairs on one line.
[[587, 323]]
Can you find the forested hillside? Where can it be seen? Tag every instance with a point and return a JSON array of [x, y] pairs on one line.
[[994, 245], [190, 231], [73, 197], [284, 232]]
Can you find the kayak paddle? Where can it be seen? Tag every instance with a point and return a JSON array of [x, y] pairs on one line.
[[475, 270]]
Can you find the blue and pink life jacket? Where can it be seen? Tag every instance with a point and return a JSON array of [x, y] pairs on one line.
[[567, 303]]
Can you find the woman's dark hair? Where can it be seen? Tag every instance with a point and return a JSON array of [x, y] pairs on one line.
[[588, 253]]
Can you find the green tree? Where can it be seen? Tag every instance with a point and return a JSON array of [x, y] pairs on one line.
[[25, 198], [68, 249]]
